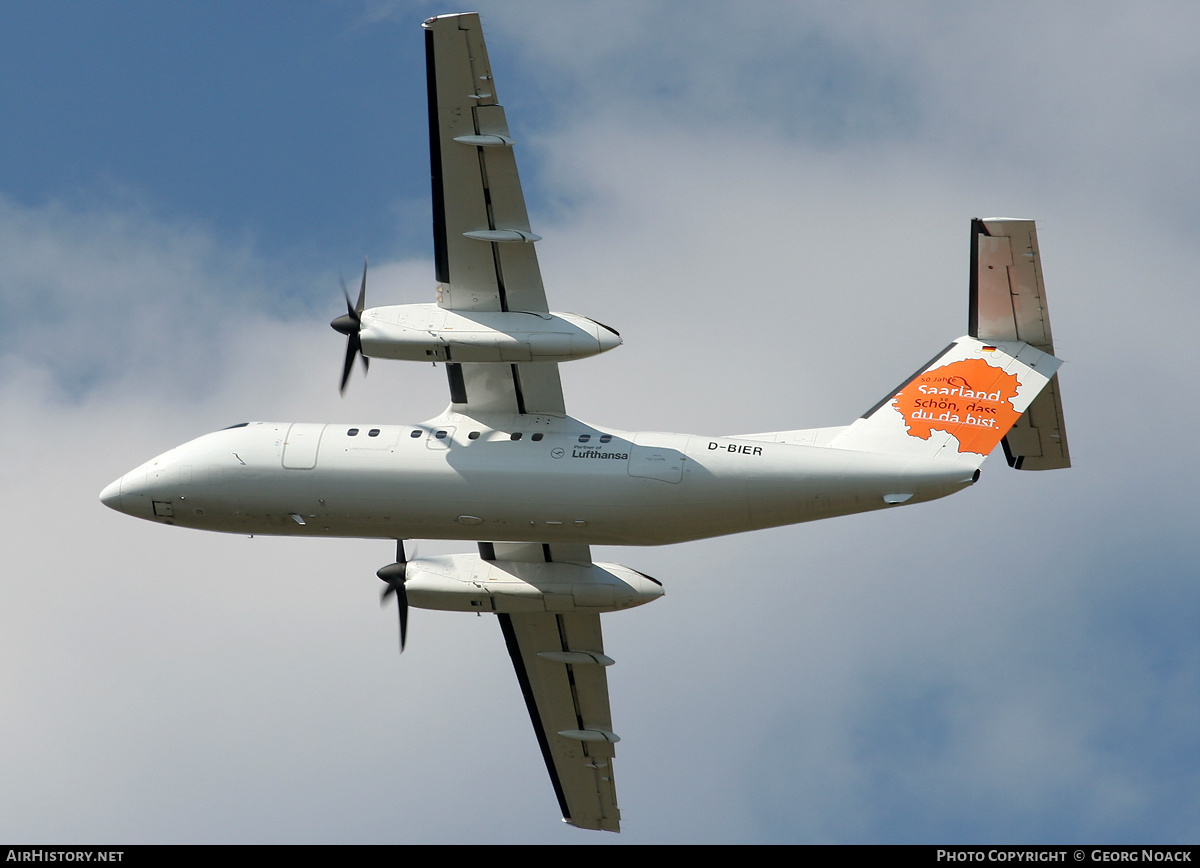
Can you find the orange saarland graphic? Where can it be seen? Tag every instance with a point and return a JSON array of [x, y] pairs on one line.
[[968, 399]]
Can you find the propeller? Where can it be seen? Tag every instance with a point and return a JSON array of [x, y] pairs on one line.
[[349, 324], [393, 574]]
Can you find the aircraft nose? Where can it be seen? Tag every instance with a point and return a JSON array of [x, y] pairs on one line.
[[111, 495]]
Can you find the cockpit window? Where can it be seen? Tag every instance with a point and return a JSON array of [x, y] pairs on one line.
[[238, 425]]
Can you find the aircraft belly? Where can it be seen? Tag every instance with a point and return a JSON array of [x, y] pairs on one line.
[[789, 484]]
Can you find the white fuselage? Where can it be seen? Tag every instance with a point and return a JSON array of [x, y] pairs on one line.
[[457, 478]]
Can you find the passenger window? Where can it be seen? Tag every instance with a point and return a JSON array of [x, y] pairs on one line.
[[605, 438], [474, 435], [353, 432], [584, 438], [516, 435], [414, 435], [440, 435], [374, 432], [538, 436]]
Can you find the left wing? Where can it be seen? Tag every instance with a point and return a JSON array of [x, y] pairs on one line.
[[560, 664], [483, 246]]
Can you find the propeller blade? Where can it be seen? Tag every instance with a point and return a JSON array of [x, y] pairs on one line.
[[403, 600], [350, 324], [353, 347], [394, 575], [362, 290]]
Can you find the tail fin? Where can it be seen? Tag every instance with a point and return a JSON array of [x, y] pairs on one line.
[[959, 406], [973, 394]]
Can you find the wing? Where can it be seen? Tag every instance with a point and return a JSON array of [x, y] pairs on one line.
[[1008, 303], [560, 664], [483, 246], [485, 261]]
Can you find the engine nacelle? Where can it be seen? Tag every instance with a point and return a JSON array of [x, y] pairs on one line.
[[467, 583], [428, 333]]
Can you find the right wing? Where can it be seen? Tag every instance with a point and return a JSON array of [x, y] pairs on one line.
[[483, 247], [1008, 303], [560, 664]]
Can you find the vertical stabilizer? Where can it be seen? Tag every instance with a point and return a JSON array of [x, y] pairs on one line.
[[959, 406]]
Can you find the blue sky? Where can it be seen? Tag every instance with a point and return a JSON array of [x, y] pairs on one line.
[[771, 203], [146, 100]]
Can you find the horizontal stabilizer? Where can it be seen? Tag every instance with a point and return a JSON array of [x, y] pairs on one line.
[[1008, 297], [1008, 303], [1038, 440]]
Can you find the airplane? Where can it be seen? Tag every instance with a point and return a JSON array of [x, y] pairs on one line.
[[506, 467]]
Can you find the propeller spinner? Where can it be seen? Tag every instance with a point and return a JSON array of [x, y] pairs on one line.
[[349, 324]]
